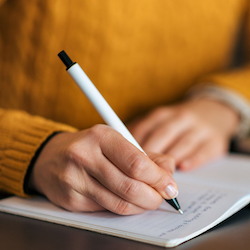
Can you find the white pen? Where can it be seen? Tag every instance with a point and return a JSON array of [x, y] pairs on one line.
[[102, 107]]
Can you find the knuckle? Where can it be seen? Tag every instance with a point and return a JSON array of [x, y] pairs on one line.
[[165, 162], [68, 200], [101, 133], [207, 131], [97, 131], [71, 204], [68, 184], [130, 189], [73, 151], [70, 149], [122, 207], [65, 178], [187, 115], [159, 112], [75, 156], [79, 153], [136, 166], [69, 179]]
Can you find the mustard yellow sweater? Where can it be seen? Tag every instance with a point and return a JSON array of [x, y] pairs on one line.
[[140, 54]]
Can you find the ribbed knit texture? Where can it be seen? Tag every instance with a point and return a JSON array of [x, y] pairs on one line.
[[21, 135], [140, 54]]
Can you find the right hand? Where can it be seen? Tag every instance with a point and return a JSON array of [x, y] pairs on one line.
[[97, 169]]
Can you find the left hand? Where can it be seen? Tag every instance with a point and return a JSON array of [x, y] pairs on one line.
[[193, 132]]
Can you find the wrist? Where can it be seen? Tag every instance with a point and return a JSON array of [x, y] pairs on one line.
[[220, 114], [231, 99], [29, 187]]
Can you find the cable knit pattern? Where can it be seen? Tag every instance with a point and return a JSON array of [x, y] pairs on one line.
[[140, 54]]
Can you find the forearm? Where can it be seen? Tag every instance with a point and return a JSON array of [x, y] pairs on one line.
[[231, 99], [21, 136]]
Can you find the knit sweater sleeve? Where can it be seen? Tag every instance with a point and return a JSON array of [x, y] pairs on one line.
[[20, 136], [236, 79]]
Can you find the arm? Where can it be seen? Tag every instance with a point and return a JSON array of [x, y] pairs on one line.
[[89, 170], [200, 128], [21, 135], [192, 132], [97, 169]]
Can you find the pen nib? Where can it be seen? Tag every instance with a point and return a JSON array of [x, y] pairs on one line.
[[180, 211]]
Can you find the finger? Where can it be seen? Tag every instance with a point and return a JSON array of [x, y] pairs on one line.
[[188, 144], [109, 200], [137, 165], [129, 189], [80, 192], [67, 195], [144, 127], [76, 202], [165, 135], [209, 151], [164, 161]]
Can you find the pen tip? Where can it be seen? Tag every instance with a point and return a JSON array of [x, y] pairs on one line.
[[180, 211]]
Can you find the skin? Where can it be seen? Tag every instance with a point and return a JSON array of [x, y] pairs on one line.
[[193, 132], [97, 169]]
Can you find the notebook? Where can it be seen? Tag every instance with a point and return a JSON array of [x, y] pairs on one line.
[[207, 195]]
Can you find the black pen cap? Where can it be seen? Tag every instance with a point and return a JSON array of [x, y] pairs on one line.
[[65, 59]]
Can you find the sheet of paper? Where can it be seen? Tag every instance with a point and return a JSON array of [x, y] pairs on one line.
[[230, 172], [201, 206], [204, 194]]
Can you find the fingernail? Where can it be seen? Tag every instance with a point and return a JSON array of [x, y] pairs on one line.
[[171, 191]]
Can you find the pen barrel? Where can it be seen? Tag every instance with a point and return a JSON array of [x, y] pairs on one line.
[[100, 104]]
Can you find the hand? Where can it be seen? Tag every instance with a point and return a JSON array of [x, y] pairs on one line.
[[192, 132], [97, 169]]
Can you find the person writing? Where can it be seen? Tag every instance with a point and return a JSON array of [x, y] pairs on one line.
[[163, 66]]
